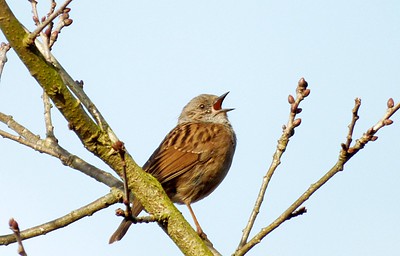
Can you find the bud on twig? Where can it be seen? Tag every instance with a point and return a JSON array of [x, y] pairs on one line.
[[117, 146], [297, 122], [68, 22], [290, 99], [390, 103], [35, 19], [388, 122], [303, 83], [13, 224], [306, 92], [47, 32], [374, 138]]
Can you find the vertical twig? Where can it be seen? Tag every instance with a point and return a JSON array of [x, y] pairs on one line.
[[15, 229], [288, 131]]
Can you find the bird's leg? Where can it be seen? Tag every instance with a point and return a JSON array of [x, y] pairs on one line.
[[198, 228]]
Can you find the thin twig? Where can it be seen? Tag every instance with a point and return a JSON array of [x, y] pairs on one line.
[[47, 116], [15, 229], [120, 148], [49, 19], [288, 131], [353, 122], [88, 210], [344, 157], [52, 148]]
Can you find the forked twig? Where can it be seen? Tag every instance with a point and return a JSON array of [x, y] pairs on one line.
[[344, 156]]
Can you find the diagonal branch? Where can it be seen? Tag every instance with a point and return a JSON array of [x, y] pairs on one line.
[[96, 139], [88, 210], [52, 148]]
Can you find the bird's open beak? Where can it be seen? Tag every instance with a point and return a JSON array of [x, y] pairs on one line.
[[218, 104]]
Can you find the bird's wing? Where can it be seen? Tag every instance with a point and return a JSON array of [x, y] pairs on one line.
[[185, 146]]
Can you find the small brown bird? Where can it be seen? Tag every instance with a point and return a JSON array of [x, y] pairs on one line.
[[193, 158]]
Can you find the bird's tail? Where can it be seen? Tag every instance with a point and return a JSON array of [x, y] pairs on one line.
[[121, 231]]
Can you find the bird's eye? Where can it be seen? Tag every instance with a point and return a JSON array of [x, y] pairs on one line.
[[202, 106]]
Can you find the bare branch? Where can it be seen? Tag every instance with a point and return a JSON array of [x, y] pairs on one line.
[[344, 156], [88, 210], [52, 148], [288, 131]]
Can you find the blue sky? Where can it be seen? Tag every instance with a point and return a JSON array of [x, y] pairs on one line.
[[142, 61]]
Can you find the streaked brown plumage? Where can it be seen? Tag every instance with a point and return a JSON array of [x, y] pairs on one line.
[[193, 158]]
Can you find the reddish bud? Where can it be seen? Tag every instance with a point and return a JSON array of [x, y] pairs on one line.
[[67, 10], [302, 83], [119, 212], [117, 146], [35, 19], [374, 138], [68, 22], [297, 122], [306, 92], [351, 150], [290, 99], [388, 122], [47, 32], [390, 103], [64, 16], [13, 224], [43, 18]]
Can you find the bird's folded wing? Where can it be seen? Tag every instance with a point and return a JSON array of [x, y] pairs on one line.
[[178, 153]]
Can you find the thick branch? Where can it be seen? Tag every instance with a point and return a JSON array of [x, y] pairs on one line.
[[97, 140]]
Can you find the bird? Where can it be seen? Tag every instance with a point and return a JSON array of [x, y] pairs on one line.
[[193, 158]]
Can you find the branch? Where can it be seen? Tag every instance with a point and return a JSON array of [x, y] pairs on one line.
[[88, 210], [288, 131], [344, 157], [97, 138], [50, 147]]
